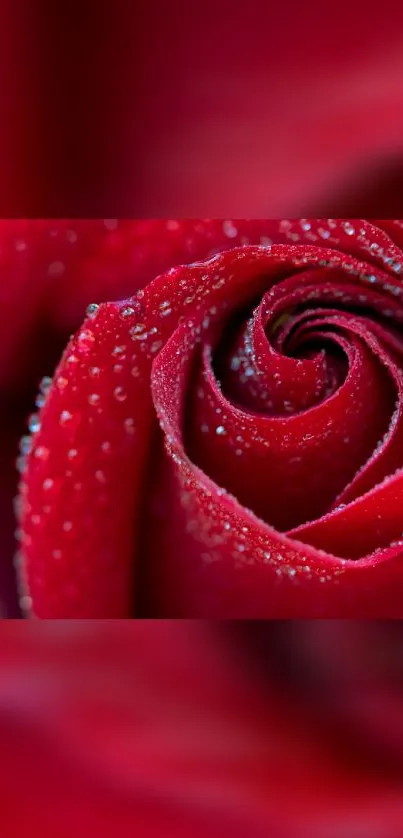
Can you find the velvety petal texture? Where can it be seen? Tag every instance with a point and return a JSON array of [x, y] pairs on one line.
[[52, 269], [228, 441]]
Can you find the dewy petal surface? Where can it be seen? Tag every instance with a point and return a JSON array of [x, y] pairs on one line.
[[52, 269], [161, 483]]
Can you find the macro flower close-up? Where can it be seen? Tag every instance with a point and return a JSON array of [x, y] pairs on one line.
[[222, 436], [201, 421]]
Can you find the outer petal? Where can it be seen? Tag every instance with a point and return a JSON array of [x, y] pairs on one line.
[[49, 271]]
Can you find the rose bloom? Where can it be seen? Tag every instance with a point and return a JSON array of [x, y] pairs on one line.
[[50, 271], [227, 441], [181, 729]]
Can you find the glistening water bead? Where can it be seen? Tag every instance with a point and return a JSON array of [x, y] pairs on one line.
[[85, 341], [120, 394], [25, 444], [92, 309], [65, 417], [45, 384], [34, 423]]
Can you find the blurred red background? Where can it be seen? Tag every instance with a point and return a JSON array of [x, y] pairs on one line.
[[185, 729], [200, 109]]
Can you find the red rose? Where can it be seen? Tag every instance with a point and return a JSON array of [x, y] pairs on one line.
[[227, 442]]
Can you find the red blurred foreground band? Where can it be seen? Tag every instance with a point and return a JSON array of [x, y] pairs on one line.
[[187, 729]]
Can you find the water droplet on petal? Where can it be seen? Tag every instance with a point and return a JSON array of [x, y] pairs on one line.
[[45, 383], [65, 417], [120, 394], [34, 423], [20, 464], [41, 453], [92, 309], [348, 228], [85, 340], [25, 444]]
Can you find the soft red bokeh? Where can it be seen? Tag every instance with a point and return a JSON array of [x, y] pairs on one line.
[[200, 109], [185, 729]]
